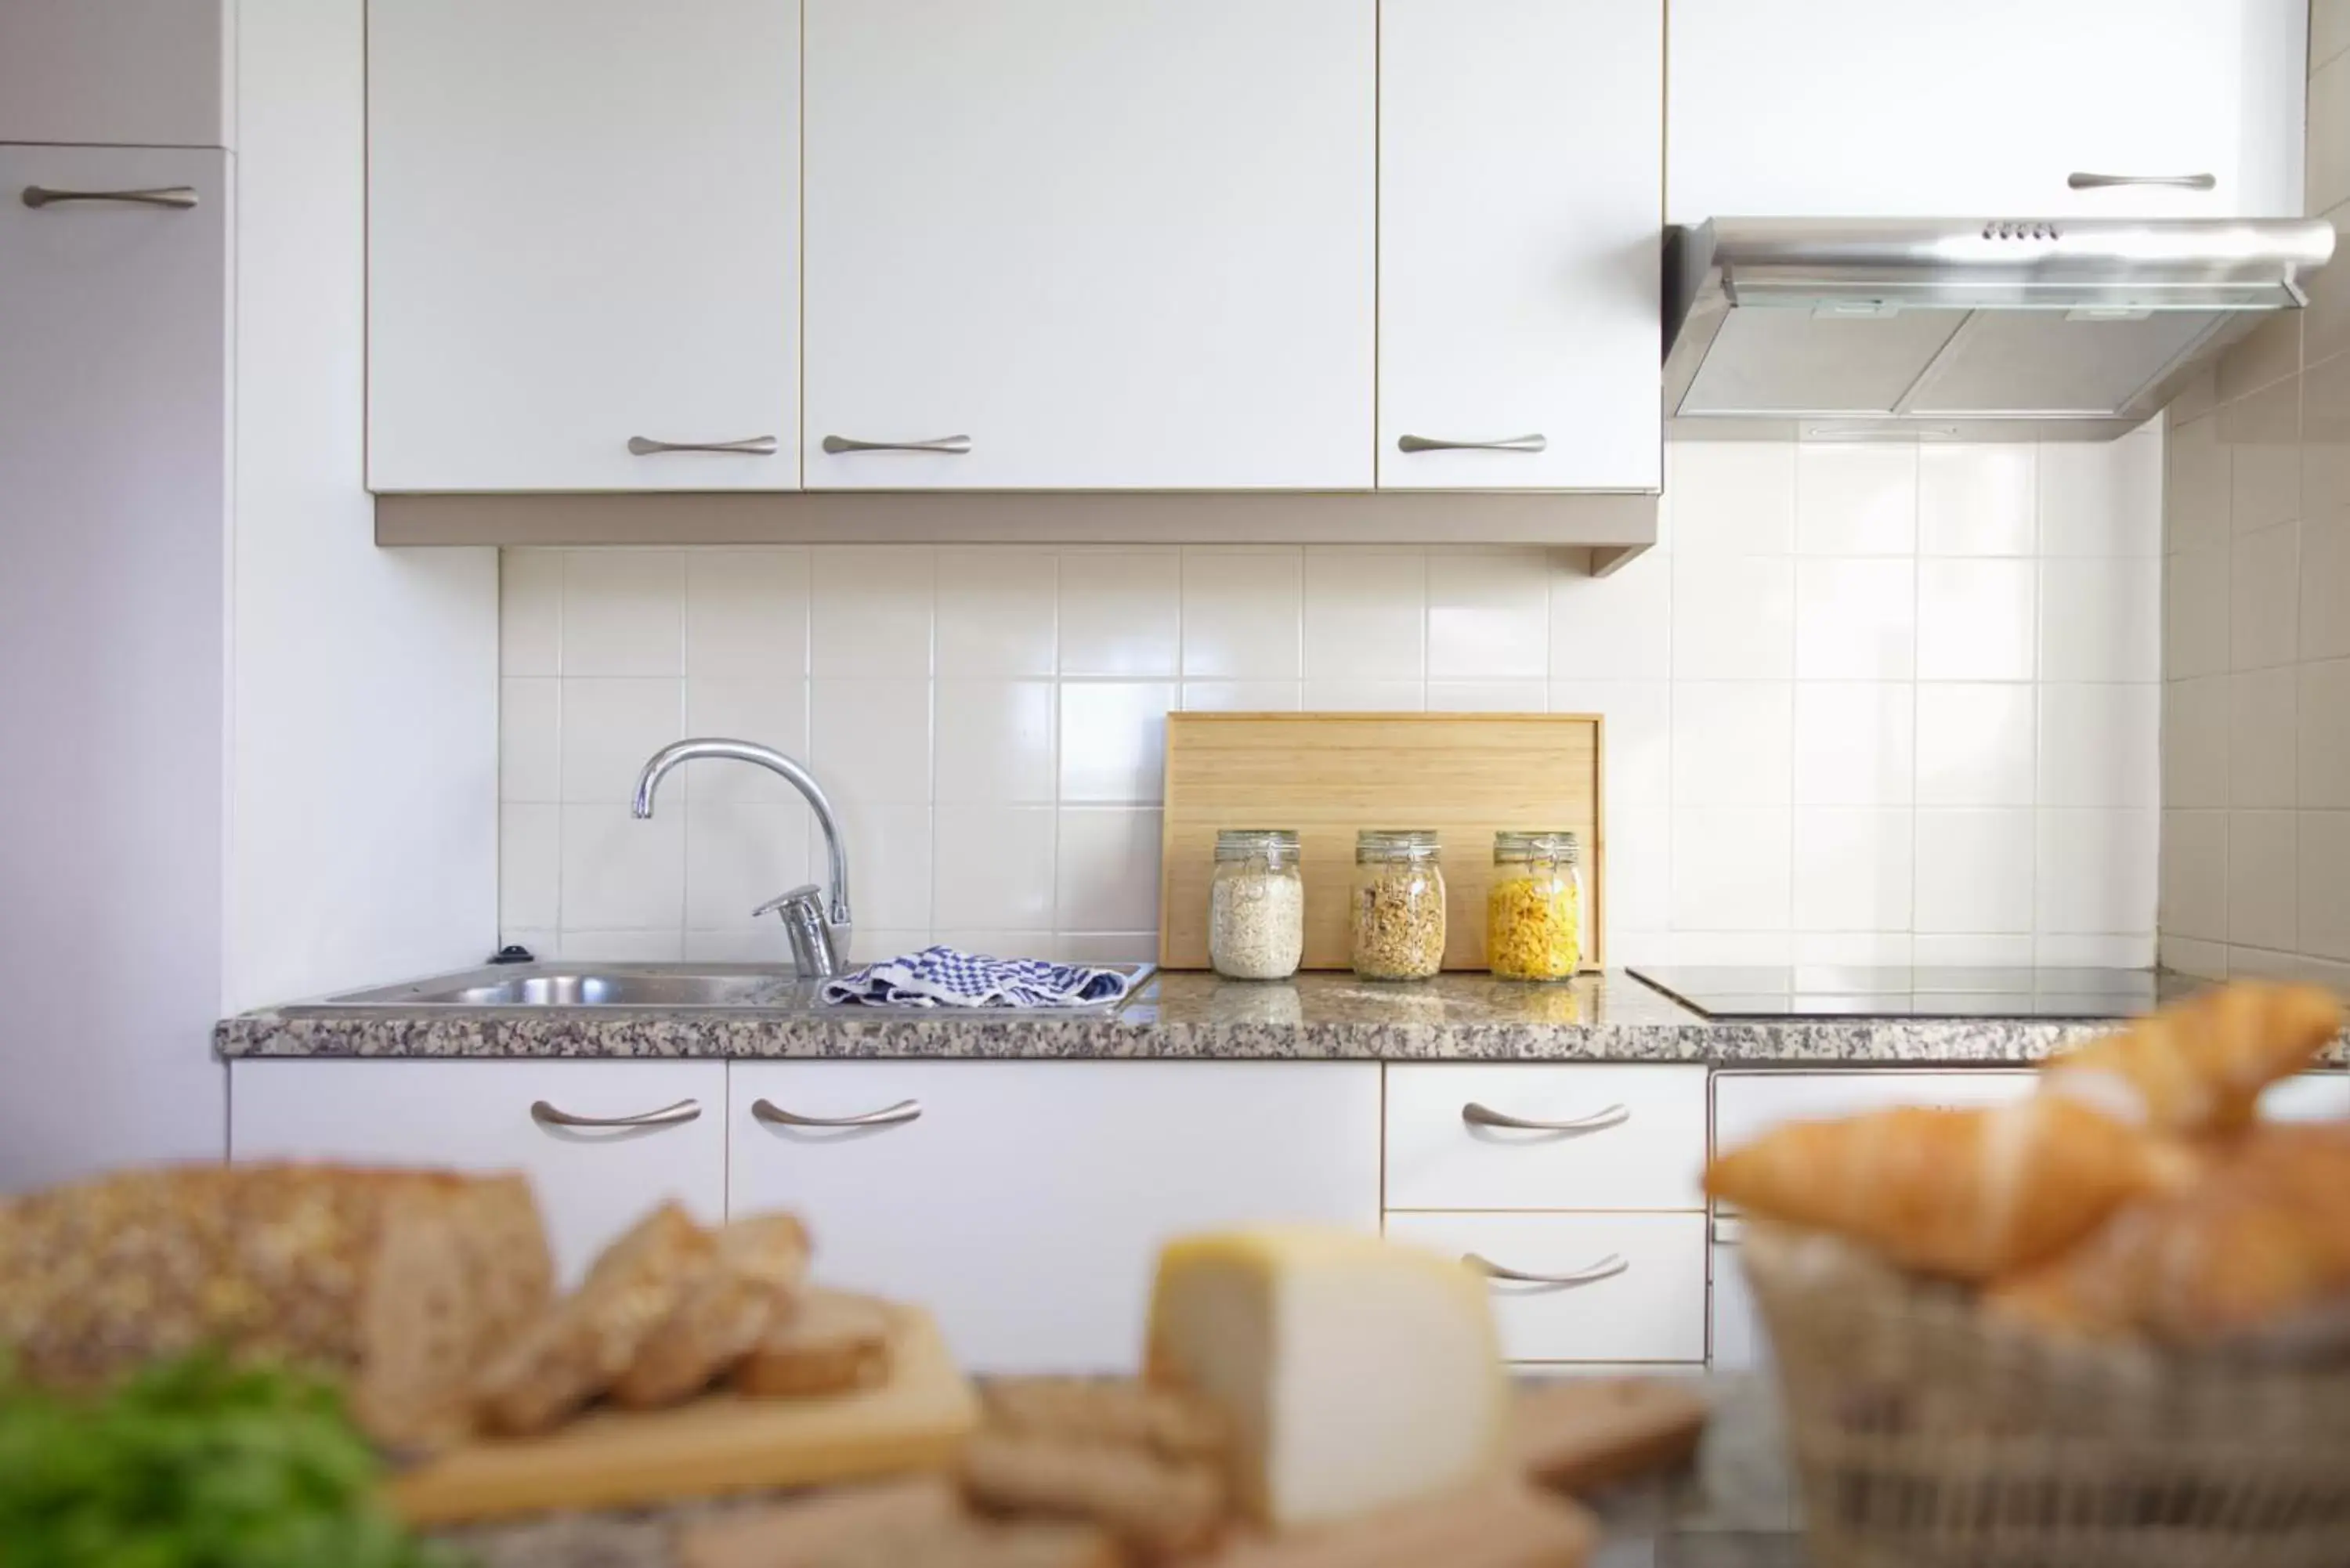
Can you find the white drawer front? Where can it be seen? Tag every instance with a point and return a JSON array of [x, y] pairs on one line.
[[1640, 1143], [1651, 1309], [592, 1182]]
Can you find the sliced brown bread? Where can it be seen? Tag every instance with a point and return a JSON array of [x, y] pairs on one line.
[[760, 1265], [831, 1341]]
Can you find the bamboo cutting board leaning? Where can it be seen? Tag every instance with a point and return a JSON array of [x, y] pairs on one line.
[[722, 1442], [1330, 774]]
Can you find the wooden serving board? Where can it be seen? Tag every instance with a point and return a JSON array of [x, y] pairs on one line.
[[1330, 774], [720, 1443]]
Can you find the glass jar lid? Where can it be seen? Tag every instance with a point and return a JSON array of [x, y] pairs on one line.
[[1511, 846], [1276, 845], [1395, 844]]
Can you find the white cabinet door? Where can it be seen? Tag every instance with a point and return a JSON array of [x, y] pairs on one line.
[[592, 1181], [1922, 108], [1025, 1204], [1119, 246], [582, 229], [114, 354], [1521, 195], [1591, 1136]]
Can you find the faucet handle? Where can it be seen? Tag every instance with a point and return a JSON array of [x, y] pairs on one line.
[[816, 945]]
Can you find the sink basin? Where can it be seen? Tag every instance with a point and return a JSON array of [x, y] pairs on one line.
[[647, 987], [660, 986]]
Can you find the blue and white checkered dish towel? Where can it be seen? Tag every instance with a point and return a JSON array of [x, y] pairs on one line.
[[949, 977]]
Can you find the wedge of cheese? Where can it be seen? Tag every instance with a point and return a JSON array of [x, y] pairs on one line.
[[1354, 1372]]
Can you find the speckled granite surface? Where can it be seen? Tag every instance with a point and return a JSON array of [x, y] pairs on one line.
[[1334, 1017]]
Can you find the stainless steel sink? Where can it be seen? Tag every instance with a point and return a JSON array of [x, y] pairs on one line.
[[648, 988], [658, 987]]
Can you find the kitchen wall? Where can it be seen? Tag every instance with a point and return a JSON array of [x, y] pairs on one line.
[[2256, 624], [1869, 702]]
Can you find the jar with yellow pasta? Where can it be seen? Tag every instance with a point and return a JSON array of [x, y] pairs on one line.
[[1533, 914]]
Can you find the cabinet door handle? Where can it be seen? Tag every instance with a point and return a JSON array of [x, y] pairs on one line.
[[161, 196], [1477, 1115], [749, 446], [1534, 442], [684, 1111], [954, 446], [1607, 1268], [2081, 181], [887, 1116]]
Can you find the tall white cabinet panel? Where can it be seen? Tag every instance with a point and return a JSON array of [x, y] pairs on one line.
[[114, 354], [1520, 193], [583, 232], [592, 1181], [123, 73], [1113, 246], [1922, 108], [1026, 1201]]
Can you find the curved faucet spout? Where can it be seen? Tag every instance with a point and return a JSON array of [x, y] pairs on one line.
[[775, 761]]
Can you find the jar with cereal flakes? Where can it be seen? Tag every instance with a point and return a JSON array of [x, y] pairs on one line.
[[1533, 912], [1399, 904]]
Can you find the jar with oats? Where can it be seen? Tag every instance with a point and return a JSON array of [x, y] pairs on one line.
[[1256, 905], [1398, 912], [1533, 912]]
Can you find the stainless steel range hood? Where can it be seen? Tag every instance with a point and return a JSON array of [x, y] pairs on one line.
[[1980, 329]]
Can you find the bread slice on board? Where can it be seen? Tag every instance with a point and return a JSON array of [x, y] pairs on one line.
[[1168, 1422], [832, 1341], [1489, 1525], [1168, 1508], [582, 1345], [752, 1284], [904, 1524]]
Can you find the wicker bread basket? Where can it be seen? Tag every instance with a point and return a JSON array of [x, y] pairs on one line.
[[1928, 1435]]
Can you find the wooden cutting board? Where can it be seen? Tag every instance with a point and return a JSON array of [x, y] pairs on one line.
[[719, 1443], [1330, 774]]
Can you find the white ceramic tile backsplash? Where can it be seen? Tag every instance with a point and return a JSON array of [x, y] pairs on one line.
[[1825, 737], [2255, 868]]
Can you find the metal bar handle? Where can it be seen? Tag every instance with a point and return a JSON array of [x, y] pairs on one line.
[[677, 1115], [889, 1116], [749, 446], [2081, 181], [181, 196], [1534, 442], [1607, 1268], [1477, 1115], [953, 445]]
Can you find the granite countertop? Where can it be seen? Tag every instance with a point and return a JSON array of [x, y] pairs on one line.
[[1316, 1017], [1735, 1507]]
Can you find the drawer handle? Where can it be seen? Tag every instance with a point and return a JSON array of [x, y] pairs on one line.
[[2080, 181], [954, 446], [888, 1116], [1477, 1115], [1534, 442], [1607, 1268], [684, 1111], [749, 446], [163, 196]]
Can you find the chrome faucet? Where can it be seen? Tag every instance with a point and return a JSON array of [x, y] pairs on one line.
[[819, 935]]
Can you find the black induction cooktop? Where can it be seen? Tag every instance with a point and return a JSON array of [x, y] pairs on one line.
[[1857, 992]]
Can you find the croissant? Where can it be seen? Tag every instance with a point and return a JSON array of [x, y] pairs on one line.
[[2199, 1066], [2261, 1244], [1967, 1194]]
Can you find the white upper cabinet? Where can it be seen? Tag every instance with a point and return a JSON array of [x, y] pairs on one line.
[[1112, 245], [583, 233], [1931, 109], [122, 73], [1521, 196]]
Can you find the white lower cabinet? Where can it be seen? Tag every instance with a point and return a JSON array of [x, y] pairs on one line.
[[1593, 1287], [1024, 1202], [592, 1181]]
